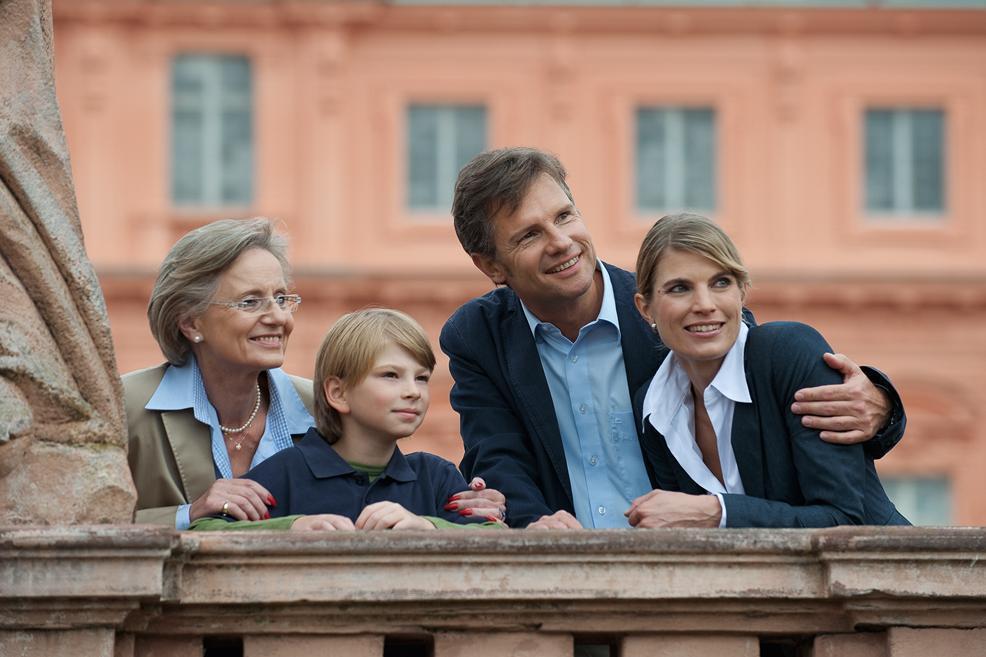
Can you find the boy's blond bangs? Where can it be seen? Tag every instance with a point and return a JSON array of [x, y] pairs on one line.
[[350, 348]]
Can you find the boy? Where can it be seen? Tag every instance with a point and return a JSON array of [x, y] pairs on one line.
[[371, 389]]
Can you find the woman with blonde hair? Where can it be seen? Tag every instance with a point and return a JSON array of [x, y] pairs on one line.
[[727, 450]]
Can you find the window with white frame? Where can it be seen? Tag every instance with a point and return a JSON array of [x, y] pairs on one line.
[[211, 131], [441, 139], [675, 159], [922, 500], [905, 161]]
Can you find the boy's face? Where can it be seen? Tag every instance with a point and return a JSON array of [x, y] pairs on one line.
[[393, 398]]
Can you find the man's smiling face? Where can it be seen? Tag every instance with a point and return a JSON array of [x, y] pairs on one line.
[[544, 252]]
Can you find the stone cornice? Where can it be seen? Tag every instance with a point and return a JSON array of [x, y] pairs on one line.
[[588, 581], [669, 21]]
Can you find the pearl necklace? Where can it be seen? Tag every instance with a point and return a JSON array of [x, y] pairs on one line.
[[256, 407]]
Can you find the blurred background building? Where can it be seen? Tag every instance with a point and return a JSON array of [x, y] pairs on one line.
[[842, 143]]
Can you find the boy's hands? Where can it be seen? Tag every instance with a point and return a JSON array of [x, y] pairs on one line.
[[322, 522], [479, 501], [390, 515]]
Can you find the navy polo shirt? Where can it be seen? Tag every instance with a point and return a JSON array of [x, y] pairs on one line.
[[312, 478]]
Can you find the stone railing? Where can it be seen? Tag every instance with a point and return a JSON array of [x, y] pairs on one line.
[[142, 592]]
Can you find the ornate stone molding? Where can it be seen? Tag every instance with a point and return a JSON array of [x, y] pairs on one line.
[[460, 586]]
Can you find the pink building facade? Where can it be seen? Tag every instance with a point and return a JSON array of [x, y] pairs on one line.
[[842, 148]]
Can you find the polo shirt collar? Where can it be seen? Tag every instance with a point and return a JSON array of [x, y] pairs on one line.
[[667, 390], [325, 463]]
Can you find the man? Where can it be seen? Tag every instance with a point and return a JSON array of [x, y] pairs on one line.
[[545, 366]]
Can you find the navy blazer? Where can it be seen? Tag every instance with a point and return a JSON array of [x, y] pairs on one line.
[[506, 417], [792, 478], [312, 478], [507, 420]]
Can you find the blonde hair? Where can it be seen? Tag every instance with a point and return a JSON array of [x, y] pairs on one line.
[[350, 348], [189, 275], [687, 232]]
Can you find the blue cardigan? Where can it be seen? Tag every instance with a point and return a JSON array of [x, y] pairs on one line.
[[792, 478]]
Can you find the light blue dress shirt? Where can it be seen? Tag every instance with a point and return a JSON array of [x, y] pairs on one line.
[[669, 407], [182, 387], [588, 384]]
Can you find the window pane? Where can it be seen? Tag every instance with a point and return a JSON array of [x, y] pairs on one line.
[[650, 159], [879, 160], [675, 159], [186, 157], [905, 171], [699, 159], [922, 500], [212, 130], [441, 140], [928, 139], [237, 158], [422, 162], [470, 135]]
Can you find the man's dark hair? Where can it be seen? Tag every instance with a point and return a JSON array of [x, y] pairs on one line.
[[494, 182]]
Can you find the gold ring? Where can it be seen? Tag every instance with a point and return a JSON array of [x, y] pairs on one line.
[[226, 508]]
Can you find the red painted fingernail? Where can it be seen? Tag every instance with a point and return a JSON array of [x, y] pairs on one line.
[[266, 515], [492, 518], [452, 498], [451, 506], [465, 512], [271, 501]]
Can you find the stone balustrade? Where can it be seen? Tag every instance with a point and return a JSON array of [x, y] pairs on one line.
[[130, 591]]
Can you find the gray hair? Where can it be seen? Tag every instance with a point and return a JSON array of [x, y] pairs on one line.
[[189, 275]]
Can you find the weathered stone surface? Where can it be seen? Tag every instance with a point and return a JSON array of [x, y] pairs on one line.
[[66, 483], [850, 645], [497, 593], [909, 642], [312, 644], [58, 381], [670, 645], [57, 643], [168, 646], [503, 644]]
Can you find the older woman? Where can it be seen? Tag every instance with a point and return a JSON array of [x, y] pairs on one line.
[[716, 415], [222, 311]]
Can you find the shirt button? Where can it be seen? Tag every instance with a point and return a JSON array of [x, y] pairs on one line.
[[593, 460], [575, 359], [582, 409], [601, 510]]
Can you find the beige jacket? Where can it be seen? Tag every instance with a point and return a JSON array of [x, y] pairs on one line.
[[170, 452]]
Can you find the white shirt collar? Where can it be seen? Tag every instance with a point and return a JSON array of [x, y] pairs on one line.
[[670, 384]]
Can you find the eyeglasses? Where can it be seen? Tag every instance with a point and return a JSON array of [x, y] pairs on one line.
[[256, 306]]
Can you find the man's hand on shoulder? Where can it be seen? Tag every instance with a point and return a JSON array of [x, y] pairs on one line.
[[851, 412]]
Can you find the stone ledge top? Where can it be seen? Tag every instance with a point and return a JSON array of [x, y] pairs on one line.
[[601, 543], [792, 542], [22, 538]]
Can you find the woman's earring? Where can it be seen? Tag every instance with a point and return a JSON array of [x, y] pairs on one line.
[[653, 327], [197, 338]]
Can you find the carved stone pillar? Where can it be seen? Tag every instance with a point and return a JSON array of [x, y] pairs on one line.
[[62, 430]]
